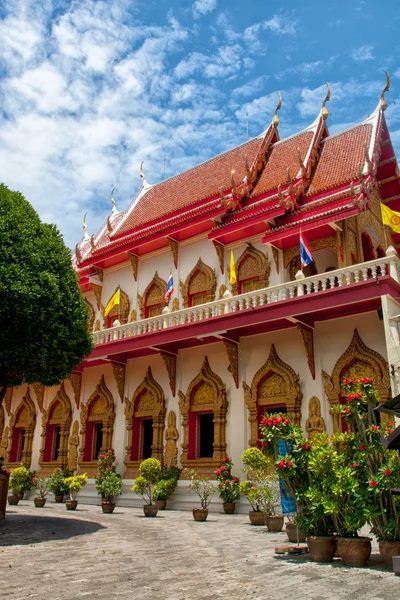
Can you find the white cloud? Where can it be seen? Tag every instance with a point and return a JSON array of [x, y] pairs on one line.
[[202, 7], [362, 53]]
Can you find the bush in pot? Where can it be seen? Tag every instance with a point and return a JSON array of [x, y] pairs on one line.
[[150, 470], [228, 486], [42, 486], [74, 484], [261, 489], [205, 490], [166, 485], [20, 482], [108, 481], [56, 484]]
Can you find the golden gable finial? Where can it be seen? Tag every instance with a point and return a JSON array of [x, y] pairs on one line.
[[84, 223], [324, 110], [385, 89], [275, 120], [141, 170], [112, 196]]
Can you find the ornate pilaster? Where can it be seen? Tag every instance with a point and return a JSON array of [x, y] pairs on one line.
[[38, 388], [76, 382], [97, 289], [170, 363], [307, 337], [232, 351], [174, 247], [134, 264], [219, 248], [119, 376]]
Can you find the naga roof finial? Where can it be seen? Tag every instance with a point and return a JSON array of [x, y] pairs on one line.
[[141, 171], [112, 196], [84, 223], [275, 120], [324, 110], [385, 89]]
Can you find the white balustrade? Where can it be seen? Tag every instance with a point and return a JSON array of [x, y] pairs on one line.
[[303, 286]]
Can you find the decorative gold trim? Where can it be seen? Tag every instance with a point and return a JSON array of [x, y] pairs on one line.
[[174, 247], [63, 419], [232, 351], [24, 416], [4, 443], [222, 290], [73, 447], [252, 263], [97, 290], [200, 279], [134, 259], [155, 407], [38, 388], [220, 250], [307, 337], [175, 304], [326, 242], [275, 254], [171, 438], [282, 389], [76, 382], [170, 364], [91, 315], [119, 376], [193, 401], [7, 399], [161, 286], [357, 361], [119, 310], [99, 272], [133, 315], [105, 401]]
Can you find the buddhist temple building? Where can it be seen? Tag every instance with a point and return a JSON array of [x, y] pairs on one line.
[[188, 382]]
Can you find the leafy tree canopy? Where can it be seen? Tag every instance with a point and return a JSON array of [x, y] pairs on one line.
[[43, 316]]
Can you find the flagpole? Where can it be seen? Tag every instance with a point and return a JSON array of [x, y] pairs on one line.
[[301, 262], [385, 234]]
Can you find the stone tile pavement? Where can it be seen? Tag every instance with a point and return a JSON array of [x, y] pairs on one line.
[[55, 554]]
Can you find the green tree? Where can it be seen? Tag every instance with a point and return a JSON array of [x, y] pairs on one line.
[[43, 317]]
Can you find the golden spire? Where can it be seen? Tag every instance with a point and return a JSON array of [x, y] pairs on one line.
[[275, 120], [112, 196], [385, 89], [324, 110], [141, 170]]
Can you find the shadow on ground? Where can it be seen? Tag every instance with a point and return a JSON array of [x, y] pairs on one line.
[[23, 530]]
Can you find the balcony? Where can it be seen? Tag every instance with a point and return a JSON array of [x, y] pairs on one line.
[[349, 290]]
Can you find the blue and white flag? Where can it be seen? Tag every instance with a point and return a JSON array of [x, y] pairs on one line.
[[305, 252], [170, 288]]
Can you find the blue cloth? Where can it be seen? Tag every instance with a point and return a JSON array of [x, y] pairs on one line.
[[287, 501]]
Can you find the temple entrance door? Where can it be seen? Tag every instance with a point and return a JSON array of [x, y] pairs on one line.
[[147, 438], [206, 435]]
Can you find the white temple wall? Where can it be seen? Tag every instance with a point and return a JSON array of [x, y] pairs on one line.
[[160, 261]]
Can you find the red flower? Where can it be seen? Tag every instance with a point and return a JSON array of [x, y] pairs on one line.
[[222, 469], [350, 397], [362, 447], [263, 444], [389, 423], [235, 480], [218, 472], [264, 421], [281, 465], [306, 446], [287, 421], [375, 428], [225, 460], [289, 463], [387, 472], [355, 466], [366, 380], [348, 411], [227, 482], [349, 381], [373, 483]]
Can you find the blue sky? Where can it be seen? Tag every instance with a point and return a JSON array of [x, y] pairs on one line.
[[89, 89]]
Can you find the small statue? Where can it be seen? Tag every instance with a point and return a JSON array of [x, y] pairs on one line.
[[171, 437], [315, 423], [73, 447]]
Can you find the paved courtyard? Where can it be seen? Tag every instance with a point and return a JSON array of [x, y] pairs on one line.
[[58, 555]]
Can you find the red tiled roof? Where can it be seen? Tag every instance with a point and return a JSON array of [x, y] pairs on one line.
[[192, 186], [283, 155], [340, 158]]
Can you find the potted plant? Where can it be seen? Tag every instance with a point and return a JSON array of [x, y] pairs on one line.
[[20, 482], [261, 489], [166, 485], [205, 491], [294, 534], [41, 485], [108, 481], [57, 486], [144, 485], [74, 484], [228, 486]]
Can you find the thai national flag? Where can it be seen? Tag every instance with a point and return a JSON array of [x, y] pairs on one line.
[[170, 288], [305, 252]]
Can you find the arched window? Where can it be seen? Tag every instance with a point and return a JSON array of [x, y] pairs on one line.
[[56, 423], [153, 300], [145, 416], [22, 426], [380, 252], [119, 312], [367, 247], [97, 423], [203, 409], [252, 269], [200, 285]]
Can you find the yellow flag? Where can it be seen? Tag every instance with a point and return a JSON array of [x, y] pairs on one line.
[[391, 218], [232, 270], [115, 300]]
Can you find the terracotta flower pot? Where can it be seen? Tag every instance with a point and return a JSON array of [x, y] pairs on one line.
[[161, 504], [354, 551], [321, 548], [200, 514], [274, 523], [257, 517], [59, 498], [107, 507], [39, 502], [21, 495], [71, 504], [294, 534], [229, 508], [396, 565], [389, 549], [150, 510], [13, 500]]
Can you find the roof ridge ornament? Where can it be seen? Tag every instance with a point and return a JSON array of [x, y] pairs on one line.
[[112, 196], [142, 175], [324, 110], [275, 120], [303, 169], [383, 102], [84, 225]]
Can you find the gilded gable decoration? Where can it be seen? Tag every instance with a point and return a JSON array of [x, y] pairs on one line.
[[134, 260], [357, 361], [147, 401], [57, 414], [232, 351], [170, 364], [99, 272], [275, 385], [200, 282], [252, 269], [220, 250], [97, 290], [205, 393], [307, 337], [119, 376], [4, 443], [275, 254], [153, 296], [174, 247], [76, 382], [121, 311], [24, 418], [91, 314]]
